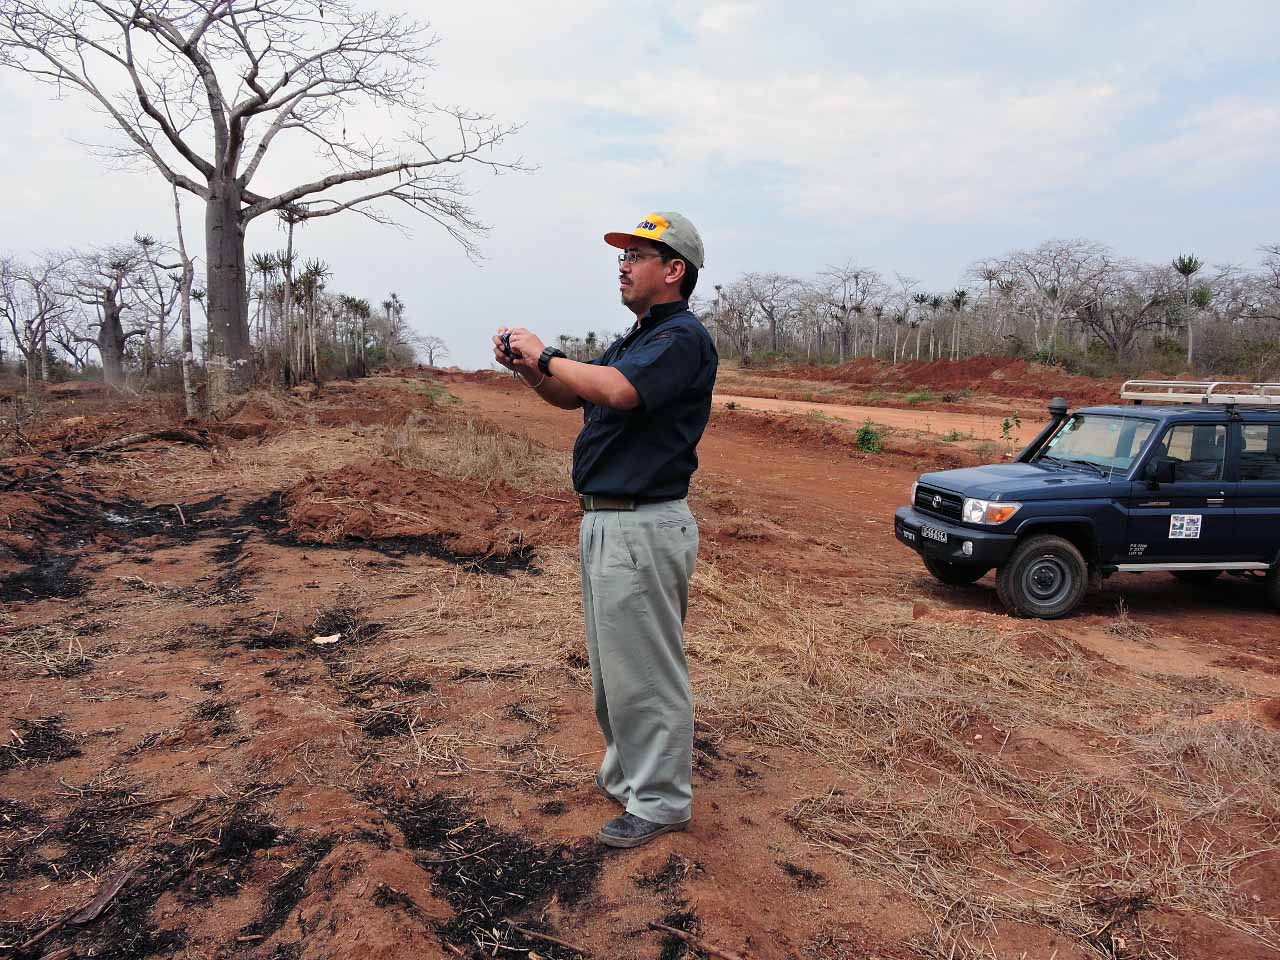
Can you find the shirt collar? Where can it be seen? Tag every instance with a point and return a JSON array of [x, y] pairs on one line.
[[660, 311]]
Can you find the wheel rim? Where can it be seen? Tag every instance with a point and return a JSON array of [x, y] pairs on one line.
[[1047, 580]]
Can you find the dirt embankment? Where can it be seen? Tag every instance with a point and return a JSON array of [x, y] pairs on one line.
[[977, 376]]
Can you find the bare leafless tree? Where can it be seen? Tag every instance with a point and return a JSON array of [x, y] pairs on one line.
[[435, 349], [211, 86], [1056, 273], [774, 297], [33, 299], [1124, 300], [851, 288], [110, 282]]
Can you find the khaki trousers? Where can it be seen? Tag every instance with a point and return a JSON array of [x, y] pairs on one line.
[[636, 567]]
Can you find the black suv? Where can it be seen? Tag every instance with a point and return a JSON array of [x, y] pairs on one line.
[[1186, 480]]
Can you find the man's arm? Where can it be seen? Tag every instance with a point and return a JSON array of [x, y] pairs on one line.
[[570, 382], [548, 388]]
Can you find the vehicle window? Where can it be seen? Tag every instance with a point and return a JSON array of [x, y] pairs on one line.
[[1198, 450], [1108, 442], [1260, 451]]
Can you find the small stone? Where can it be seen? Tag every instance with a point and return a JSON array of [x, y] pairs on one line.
[[977, 736], [1093, 743]]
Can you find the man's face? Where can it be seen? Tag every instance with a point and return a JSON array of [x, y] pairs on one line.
[[642, 282]]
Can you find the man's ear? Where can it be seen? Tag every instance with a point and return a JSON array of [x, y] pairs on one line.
[[675, 271]]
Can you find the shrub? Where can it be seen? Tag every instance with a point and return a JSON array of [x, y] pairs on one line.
[[870, 439], [920, 396]]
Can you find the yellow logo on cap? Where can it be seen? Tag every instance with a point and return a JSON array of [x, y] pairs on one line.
[[652, 226]]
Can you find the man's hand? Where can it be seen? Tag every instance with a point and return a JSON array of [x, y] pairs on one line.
[[498, 353], [527, 348]]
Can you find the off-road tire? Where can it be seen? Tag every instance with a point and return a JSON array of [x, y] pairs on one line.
[[1271, 583], [1046, 577], [1201, 578], [954, 574]]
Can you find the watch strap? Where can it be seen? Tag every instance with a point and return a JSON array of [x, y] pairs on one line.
[[544, 360]]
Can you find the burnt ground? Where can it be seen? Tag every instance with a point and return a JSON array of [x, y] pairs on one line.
[[320, 692]]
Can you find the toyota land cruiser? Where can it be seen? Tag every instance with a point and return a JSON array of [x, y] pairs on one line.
[[1185, 479]]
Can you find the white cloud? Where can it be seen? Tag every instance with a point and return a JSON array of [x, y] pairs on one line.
[[1210, 145]]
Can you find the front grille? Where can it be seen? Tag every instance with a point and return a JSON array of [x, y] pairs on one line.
[[939, 503]]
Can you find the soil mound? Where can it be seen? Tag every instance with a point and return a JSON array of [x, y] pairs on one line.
[[381, 501], [813, 433], [987, 375]]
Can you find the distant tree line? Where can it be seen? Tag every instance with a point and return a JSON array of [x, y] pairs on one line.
[[123, 312], [1071, 302]]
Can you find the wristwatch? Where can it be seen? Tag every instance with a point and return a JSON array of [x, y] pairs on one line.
[[544, 360]]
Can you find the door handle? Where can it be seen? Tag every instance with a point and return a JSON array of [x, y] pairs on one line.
[[1215, 501]]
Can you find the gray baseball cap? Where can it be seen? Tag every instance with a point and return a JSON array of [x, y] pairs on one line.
[[665, 227]]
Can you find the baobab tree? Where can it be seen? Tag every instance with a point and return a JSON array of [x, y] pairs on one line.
[[436, 349], [110, 281], [213, 86]]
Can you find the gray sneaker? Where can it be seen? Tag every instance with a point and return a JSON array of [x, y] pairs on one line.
[[629, 830]]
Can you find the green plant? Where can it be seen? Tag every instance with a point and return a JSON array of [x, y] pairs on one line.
[[955, 435], [920, 396], [869, 438], [875, 398], [1008, 426]]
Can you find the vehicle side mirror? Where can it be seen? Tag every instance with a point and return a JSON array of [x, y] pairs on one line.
[[1161, 470]]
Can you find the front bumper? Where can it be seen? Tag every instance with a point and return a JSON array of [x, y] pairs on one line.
[[988, 550]]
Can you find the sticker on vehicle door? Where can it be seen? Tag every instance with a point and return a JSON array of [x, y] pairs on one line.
[[1184, 526]]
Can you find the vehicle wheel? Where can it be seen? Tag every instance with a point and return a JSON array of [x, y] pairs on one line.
[[1272, 586], [1046, 577], [955, 574], [1198, 577]]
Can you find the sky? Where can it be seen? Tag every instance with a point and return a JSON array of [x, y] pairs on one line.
[[909, 136]]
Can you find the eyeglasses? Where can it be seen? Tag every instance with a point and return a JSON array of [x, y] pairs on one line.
[[631, 256]]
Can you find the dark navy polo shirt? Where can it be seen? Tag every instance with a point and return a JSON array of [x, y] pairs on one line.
[[650, 452]]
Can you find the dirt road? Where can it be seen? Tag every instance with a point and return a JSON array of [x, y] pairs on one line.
[[938, 423]]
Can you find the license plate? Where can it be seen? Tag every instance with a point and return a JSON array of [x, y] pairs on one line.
[[933, 533]]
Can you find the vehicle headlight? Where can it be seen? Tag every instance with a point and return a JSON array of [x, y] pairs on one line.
[[912, 498], [985, 512]]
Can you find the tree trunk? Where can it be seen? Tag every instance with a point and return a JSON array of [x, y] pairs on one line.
[[184, 307], [29, 354], [230, 364], [111, 340]]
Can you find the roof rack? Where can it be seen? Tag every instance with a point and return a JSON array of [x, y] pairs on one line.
[[1220, 392]]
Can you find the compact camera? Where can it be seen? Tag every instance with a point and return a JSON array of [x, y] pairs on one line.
[[506, 346]]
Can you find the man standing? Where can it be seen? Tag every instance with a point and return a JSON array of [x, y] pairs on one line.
[[645, 404]]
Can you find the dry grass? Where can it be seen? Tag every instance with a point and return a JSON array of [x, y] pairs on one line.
[[472, 449], [1133, 804], [1125, 627], [45, 650]]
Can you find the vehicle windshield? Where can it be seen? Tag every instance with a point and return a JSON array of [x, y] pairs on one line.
[[1104, 444]]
